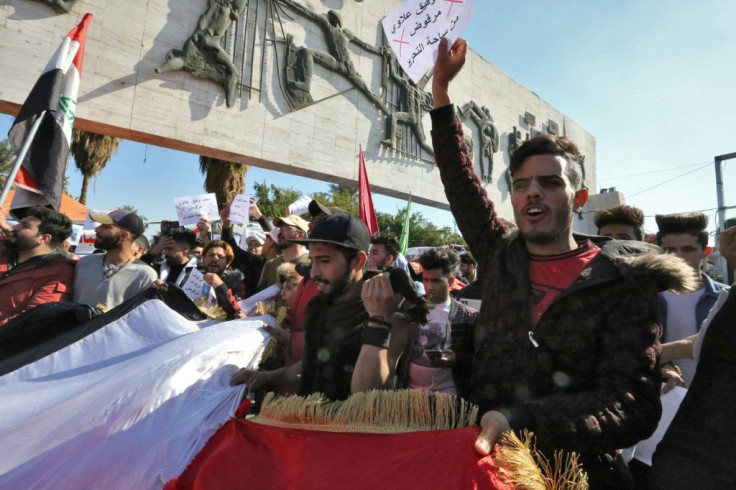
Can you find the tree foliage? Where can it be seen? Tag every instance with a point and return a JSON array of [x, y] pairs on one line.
[[273, 200], [91, 153], [6, 161], [225, 179]]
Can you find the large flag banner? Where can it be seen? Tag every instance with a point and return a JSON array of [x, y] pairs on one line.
[[365, 200], [54, 99], [404, 238], [127, 406]]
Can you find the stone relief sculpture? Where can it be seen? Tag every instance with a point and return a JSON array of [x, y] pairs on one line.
[[489, 139], [515, 140], [298, 69], [203, 54], [62, 6], [413, 101], [338, 58]]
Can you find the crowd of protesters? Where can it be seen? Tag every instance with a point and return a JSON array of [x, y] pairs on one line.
[[543, 328]]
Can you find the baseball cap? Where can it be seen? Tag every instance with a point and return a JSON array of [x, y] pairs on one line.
[[292, 220], [254, 235], [316, 208], [123, 218], [274, 235], [342, 229]]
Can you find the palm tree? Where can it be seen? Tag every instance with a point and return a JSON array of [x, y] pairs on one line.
[[225, 179], [91, 153], [6, 161]]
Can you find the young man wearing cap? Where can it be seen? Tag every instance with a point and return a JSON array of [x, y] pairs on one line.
[[290, 228], [566, 340], [338, 247], [109, 279], [33, 270]]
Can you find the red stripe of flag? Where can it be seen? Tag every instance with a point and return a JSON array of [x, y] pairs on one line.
[[367, 212]]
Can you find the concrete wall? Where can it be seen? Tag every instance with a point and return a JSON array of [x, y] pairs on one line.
[[121, 95]]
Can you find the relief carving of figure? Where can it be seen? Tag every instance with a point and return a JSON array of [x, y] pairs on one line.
[[489, 138], [62, 6], [413, 101], [338, 57], [203, 54], [298, 70]]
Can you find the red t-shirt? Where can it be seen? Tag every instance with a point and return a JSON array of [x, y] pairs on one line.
[[552, 274]]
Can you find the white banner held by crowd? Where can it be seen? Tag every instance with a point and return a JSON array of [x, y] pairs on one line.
[[127, 406], [189, 209], [240, 210], [300, 206], [415, 28]]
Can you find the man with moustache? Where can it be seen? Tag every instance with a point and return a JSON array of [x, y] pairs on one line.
[[106, 280], [33, 269], [176, 246], [566, 341], [338, 247], [291, 229], [225, 282]]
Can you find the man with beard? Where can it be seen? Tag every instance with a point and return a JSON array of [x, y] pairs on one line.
[[566, 341], [177, 246], [435, 355], [383, 253], [33, 270], [218, 256], [291, 229], [338, 247], [106, 280]]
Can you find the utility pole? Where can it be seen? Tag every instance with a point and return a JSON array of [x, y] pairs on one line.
[[721, 213]]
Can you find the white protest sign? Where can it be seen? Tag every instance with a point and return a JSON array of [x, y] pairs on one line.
[[240, 210], [89, 224], [194, 285], [189, 209], [415, 28], [77, 231], [300, 206]]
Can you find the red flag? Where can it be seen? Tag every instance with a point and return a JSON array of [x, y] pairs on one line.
[[244, 454], [367, 212], [41, 175]]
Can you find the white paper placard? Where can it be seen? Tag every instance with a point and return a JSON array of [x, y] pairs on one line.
[[300, 206], [77, 231], [89, 224], [415, 28], [189, 209], [194, 285], [240, 210]]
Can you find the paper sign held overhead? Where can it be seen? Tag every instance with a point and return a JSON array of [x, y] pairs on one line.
[[300, 206], [189, 209], [240, 210], [415, 28]]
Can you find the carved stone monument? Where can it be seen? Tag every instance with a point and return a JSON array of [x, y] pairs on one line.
[[298, 86]]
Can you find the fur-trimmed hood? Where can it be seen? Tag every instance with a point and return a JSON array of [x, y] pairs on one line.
[[645, 261]]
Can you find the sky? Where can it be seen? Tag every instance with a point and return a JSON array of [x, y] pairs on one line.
[[653, 81]]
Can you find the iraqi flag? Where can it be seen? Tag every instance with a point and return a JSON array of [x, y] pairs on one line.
[[51, 103], [365, 200]]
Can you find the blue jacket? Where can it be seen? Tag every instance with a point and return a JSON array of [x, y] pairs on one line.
[[705, 303]]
